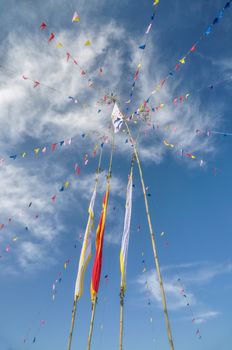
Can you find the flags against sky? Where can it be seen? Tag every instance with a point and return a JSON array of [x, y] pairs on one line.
[[126, 233], [86, 249], [96, 272], [117, 118]]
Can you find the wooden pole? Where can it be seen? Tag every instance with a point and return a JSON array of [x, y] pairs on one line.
[[72, 323], [91, 322], [168, 327], [121, 318]]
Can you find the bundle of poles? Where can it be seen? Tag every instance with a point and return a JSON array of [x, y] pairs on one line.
[[86, 247]]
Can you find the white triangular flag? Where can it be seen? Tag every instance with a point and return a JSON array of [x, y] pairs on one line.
[[117, 118]]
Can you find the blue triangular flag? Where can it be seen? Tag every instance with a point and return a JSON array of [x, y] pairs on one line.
[[142, 47], [14, 156], [221, 14], [208, 31]]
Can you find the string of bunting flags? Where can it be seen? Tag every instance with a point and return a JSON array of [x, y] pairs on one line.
[[103, 138], [38, 83], [41, 323], [185, 57], [53, 199], [188, 305], [69, 56], [176, 101], [183, 293], [142, 47]]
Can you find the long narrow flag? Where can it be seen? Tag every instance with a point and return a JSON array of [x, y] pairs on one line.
[[126, 233], [96, 272], [117, 118], [86, 249]]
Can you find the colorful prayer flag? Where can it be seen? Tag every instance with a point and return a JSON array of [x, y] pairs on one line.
[[126, 233], [87, 43], [86, 249], [117, 118], [52, 36], [182, 60], [76, 17], [59, 46], [43, 26], [148, 28], [96, 272]]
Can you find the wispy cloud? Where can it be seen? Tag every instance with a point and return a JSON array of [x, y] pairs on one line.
[[39, 115], [204, 317], [192, 276]]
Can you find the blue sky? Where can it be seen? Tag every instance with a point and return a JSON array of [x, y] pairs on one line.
[[188, 202]]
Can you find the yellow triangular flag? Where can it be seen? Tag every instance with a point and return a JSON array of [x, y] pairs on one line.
[[76, 17], [156, 2], [182, 60], [59, 45], [66, 184], [36, 150], [87, 43]]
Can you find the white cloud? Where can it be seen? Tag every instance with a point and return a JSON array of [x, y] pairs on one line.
[[206, 272], [33, 256], [32, 116], [172, 290], [204, 317], [192, 276]]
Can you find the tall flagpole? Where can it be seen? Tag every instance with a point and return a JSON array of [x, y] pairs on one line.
[[74, 309], [94, 301], [121, 317], [92, 322], [168, 327]]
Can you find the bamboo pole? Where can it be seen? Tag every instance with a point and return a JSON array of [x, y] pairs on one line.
[[168, 327], [91, 323], [121, 317], [72, 323]]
